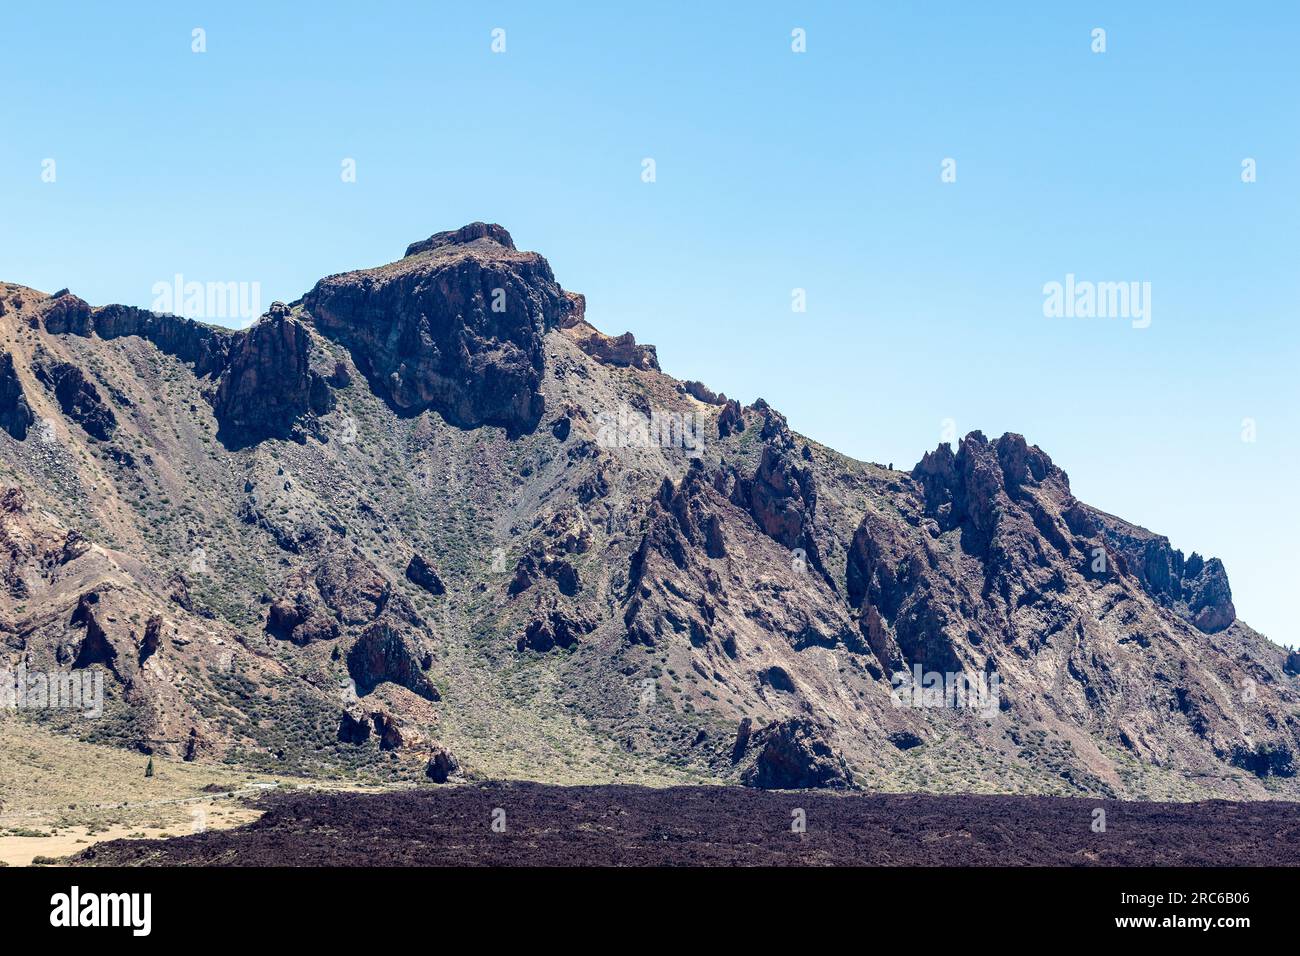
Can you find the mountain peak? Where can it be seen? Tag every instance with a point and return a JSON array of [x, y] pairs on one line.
[[457, 325], [345, 434], [473, 232]]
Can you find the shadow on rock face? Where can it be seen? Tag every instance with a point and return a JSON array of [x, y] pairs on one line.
[[456, 326]]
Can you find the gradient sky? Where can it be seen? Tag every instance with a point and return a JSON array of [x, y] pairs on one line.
[[775, 170]]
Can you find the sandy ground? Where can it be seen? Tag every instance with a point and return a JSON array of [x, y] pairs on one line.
[[59, 795], [211, 815]]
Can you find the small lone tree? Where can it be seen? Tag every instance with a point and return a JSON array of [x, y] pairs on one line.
[[148, 770]]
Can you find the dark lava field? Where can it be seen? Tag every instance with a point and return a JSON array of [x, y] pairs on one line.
[[529, 824]]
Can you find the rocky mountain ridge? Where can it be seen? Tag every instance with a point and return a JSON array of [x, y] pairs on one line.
[[429, 521]]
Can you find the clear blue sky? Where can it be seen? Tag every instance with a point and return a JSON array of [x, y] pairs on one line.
[[775, 170]]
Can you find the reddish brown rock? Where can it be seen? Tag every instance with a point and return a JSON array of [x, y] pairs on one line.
[[621, 351]]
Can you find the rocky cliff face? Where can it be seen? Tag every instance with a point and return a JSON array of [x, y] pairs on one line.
[[431, 510], [15, 414], [204, 347], [456, 326], [264, 382], [1195, 589], [77, 397], [267, 384]]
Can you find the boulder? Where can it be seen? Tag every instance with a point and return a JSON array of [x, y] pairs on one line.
[[441, 766], [422, 574]]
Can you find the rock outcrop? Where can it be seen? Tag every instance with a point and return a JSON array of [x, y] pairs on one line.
[[151, 641], [16, 416], [385, 653], [552, 554], [1292, 665], [344, 594], [621, 351], [441, 766], [205, 347], [464, 236], [455, 326], [554, 626], [359, 724], [264, 380], [685, 530], [64, 312], [705, 394], [705, 575], [731, 419], [268, 384], [1195, 589], [77, 396], [94, 647], [782, 497], [790, 755], [422, 574], [298, 619]]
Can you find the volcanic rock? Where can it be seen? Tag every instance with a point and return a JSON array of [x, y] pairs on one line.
[[269, 384], [553, 628], [793, 755], [1195, 589], [152, 639], [442, 764], [456, 326], [731, 420], [385, 653], [77, 396], [702, 392], [621, 351], [95, 646], [1292, 665], [421, 573], [16, 415]]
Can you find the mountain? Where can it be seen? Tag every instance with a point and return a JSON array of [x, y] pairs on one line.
[[428, 520]]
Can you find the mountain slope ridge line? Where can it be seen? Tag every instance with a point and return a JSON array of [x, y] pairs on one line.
[[428, 520]]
